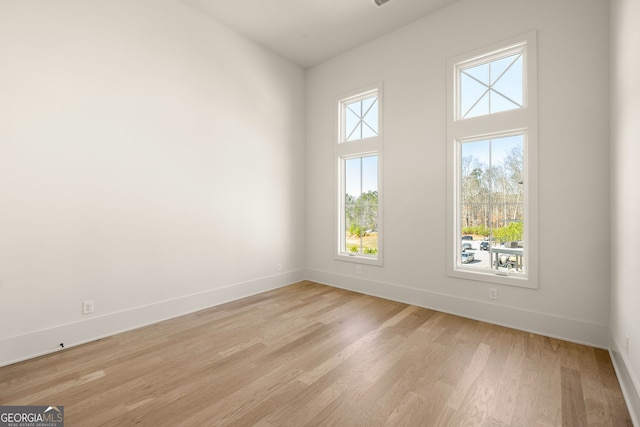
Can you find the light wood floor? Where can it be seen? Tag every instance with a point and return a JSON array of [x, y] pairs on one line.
[[309, 354]]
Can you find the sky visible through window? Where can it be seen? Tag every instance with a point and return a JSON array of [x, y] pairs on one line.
[[361, 175], [361, 118], [492, 87], [491, 151]]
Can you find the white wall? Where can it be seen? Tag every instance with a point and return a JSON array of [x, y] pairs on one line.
[[625, 196], [572, 301], [151, 160]]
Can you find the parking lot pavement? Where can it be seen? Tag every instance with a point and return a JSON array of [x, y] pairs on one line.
[[481, 258]]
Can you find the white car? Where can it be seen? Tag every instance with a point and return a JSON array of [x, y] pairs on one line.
[[467, 257]]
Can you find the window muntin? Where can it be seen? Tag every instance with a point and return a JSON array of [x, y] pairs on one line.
[[358, 152], [492, 203], [360, 117], [491, 84], [360, 214]]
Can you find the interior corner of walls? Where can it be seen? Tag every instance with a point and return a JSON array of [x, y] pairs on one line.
[[45, 341], [628, 381], [573, 330]]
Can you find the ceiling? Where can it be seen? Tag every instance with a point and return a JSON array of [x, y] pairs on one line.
[[309, 32]]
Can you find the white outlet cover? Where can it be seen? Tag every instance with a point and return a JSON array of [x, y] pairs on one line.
[[626, 344], [87, 307]]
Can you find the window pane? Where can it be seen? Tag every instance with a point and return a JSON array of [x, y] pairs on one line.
[[508, 87], [492, 87], [370, 118], [352, 124], [492, 204], [361, 205], [479, 73], [472, 92], [361, 119], [500, 66]]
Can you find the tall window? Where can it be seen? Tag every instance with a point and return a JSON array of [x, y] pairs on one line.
[[359, 157], [492, 133]]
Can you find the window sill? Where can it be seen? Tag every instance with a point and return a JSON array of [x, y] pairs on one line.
[[359, 259], [499, 278]]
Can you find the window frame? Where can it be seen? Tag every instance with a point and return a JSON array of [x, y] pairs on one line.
[[492, 126], [344, 150]]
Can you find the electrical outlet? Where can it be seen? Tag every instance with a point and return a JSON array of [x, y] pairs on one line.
[[358, 269], [87, 307], [626, 344], [493, 293], [279, 266]]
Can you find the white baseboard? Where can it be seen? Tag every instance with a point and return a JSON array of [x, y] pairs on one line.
[[628, 382], [45, 341], [549, 325]]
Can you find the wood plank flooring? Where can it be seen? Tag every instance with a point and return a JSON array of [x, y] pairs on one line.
[[308, 355]]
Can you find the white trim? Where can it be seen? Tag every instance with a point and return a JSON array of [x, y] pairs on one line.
[[629, 384], [564, 328], [22, 347]]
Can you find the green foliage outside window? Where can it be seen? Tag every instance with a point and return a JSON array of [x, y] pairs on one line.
[[361, 217], [509, 233]]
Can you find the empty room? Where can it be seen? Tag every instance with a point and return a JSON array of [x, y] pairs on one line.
[[340, 213]]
